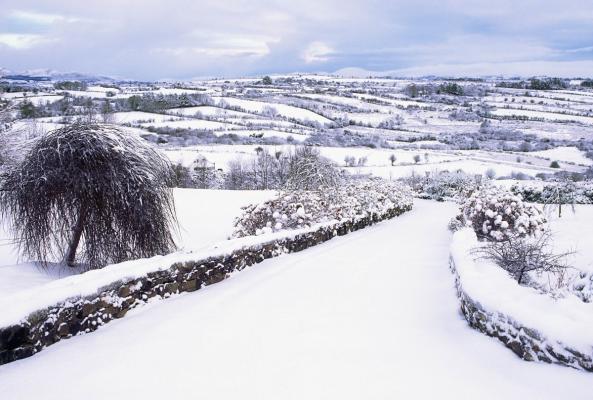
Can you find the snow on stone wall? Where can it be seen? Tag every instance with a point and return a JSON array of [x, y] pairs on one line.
[[82, 303], [534, 326]]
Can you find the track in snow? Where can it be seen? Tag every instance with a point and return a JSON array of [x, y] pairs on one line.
[[371, 315]]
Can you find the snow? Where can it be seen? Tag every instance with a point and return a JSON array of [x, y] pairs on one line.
[[134, 117], [565, 154], [282, 109], [571, 232], [568, 319], [188, 124], [506, 112], [36, 100], [206, 216], [370, 315], [209, 111], [467, 165]]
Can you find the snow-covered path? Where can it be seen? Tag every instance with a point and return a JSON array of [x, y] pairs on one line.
[[372, 315]]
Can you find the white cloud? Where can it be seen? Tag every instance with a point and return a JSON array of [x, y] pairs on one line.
[[568, 69], [581, 50], [220, 45], [41, 18], [23, 41], [317, 52]]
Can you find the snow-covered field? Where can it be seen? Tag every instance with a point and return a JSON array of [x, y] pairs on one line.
[[527, 129], [362, 316]]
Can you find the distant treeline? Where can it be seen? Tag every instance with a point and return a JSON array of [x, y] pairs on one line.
[[536, 84]]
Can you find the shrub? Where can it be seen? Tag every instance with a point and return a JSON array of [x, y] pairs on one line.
[[519, 256], [444, 185], [564, 192], [308, 170], [554, 164], [302, 209], [497, 214]]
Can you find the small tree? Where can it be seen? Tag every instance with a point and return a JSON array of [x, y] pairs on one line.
[[417, 158], [393, 159], [349, 161], [519, 256], [490, 173], [27, 109], [107, 112], [267, 80], [310, 171], [563, 192], [94, 185], [203, 173], [554, 164]]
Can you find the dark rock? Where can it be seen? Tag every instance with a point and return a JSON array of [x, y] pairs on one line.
[[189, 286], [13, 337]]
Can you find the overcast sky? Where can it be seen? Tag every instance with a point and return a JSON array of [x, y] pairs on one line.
[[149, 39]]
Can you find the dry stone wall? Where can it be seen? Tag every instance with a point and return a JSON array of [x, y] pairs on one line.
[[525, 342]]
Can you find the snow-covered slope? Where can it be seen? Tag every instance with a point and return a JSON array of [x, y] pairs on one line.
[[372, 315]]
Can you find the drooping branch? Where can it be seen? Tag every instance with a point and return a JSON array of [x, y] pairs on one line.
[[93, 187]]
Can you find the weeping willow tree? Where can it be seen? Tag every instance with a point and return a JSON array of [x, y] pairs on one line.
[[90, 195]]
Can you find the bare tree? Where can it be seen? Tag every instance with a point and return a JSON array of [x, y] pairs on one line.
[[519, 256], [107, 112], [563, 192], [310, 171], [349, 161], [393, 159], [236, 177], [94, 185], [203, 173], [282, 168]]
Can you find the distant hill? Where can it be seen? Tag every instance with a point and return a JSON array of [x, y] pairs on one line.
[[50, 75]]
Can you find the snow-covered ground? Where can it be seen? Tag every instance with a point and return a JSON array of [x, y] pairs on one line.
[[371, 315], [549, 116], [572, 233], [564, 154], [282, 109]]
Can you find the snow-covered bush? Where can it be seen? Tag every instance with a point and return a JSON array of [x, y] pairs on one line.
[[309, 170], [566, 192], [301, 208], [582, 286], [444, 185], [496, 214]]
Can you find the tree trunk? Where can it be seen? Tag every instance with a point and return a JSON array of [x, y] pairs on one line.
[[560, 210], [76, 235]]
